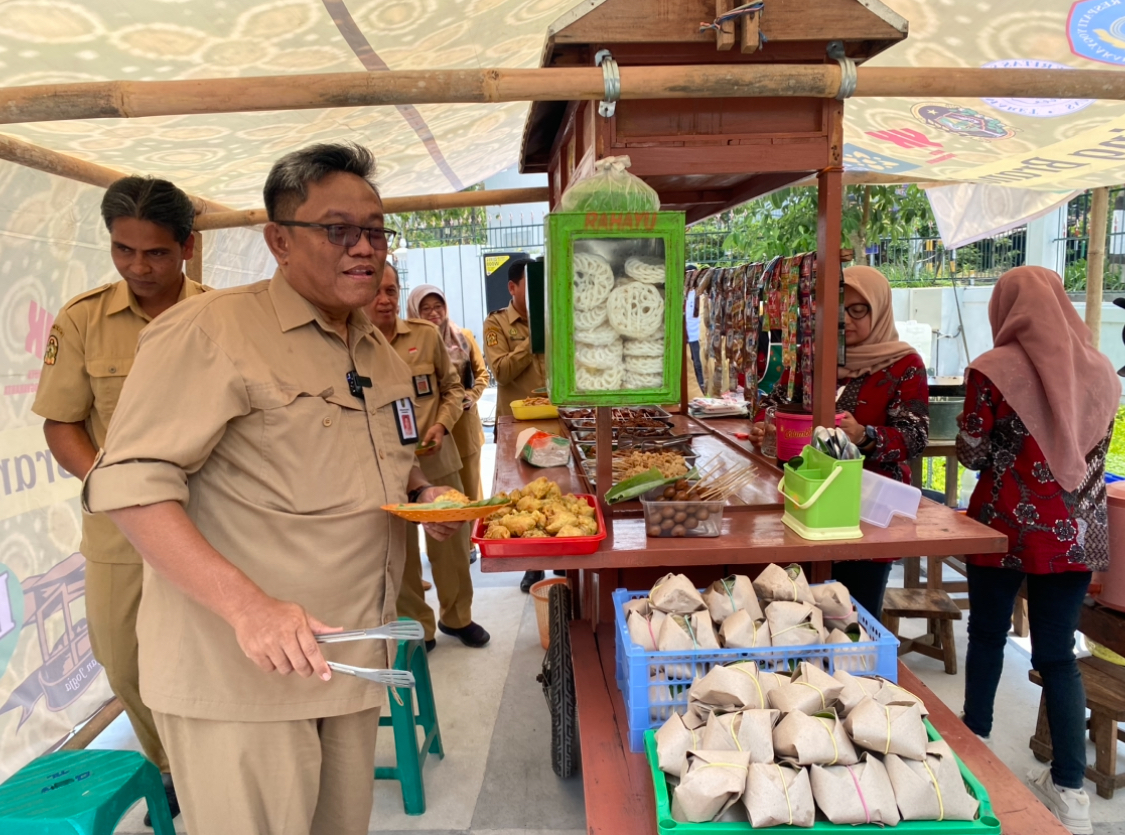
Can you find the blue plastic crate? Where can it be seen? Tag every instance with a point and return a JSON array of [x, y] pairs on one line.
[[1112, 478], [654, 684]]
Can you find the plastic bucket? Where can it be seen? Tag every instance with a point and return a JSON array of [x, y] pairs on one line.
[[794, 432], [540, 593], [822, 496]]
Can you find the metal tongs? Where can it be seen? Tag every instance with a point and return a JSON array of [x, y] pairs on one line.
[[403, 630]]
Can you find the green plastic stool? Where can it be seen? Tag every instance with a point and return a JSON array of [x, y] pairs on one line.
[[81, 792], [408, 755]]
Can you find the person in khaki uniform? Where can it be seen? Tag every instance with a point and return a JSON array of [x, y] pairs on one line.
[[428, 302], [438, 398], [260, 432], [507, 346], [518, 372], [90, 351]]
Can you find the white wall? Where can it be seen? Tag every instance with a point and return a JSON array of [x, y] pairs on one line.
[[459, 272]]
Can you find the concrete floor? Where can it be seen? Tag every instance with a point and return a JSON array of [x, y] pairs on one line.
[[496, 778]]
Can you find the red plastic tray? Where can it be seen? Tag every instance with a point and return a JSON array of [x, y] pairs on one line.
[[570, 546]]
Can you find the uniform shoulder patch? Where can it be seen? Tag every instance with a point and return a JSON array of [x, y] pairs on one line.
[[491, 338], [51, 354]]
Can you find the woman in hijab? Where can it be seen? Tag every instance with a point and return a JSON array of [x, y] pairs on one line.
[[886, 404], [428, 302], [1038, 417]]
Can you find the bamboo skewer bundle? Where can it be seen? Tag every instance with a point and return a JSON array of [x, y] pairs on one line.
[[717, 483]]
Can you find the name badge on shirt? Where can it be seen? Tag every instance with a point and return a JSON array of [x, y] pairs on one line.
[[407, 425], [422, 386]]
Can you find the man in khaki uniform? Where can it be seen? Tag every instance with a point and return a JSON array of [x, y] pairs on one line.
[[89, 353], [518, 372], [438, 405], [507, 346], [260, 432]]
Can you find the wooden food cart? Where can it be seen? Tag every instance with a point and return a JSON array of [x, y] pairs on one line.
[[703, 156]]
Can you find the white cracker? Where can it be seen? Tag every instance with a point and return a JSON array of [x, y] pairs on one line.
[[601, 357], [651, 347], [587, 320], [636, 310], [644, 365], [593, 281], [603, 334], [643, 381], [648, 270], [589, 380]]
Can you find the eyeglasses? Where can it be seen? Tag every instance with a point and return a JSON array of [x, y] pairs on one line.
[[347, 235], [858, 311]]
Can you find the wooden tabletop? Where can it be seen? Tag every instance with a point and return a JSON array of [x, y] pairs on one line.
[[747, 538]]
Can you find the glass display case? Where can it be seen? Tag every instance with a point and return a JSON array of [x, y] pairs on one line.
[[615, 307]]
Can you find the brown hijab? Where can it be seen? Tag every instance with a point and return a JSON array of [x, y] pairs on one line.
[[882, 346], [1044, 363]]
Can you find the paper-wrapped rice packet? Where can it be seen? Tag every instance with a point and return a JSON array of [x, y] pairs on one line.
[[742, 631], [813, 740], [681, 633], [835, 601], [779, 795], [728, 689], [674, 594], [777, 583], [891, 692], [852, 660], [794, 624], [643, 628], [855, 689], [673, 741], [810, 690], [748, 730], [734, 594], [711, 782], [854, 794], [888, 729], [931, 789], [637, 604]]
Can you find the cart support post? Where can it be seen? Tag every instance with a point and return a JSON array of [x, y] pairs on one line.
[[830, 201]]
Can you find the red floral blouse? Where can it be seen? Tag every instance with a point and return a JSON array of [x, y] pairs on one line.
[[895, 400], [1049, 530]]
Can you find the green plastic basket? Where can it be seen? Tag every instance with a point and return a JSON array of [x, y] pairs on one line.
[[822, 496], [985, 824]]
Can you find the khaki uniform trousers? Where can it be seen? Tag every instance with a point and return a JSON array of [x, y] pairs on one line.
[[470, 476], [294, 777], [449, 562], [113, 593]]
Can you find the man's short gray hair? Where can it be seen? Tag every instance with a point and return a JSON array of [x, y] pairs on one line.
[[288, 181]]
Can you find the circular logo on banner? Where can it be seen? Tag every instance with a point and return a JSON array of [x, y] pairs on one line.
[[961, 121], [1096, 30], [1039, 108]]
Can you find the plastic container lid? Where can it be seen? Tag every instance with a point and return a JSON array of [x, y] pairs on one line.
[[882, 499]]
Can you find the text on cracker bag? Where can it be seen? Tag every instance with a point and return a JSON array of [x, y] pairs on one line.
[[711, 782], [542, 449], [855, 794], [733, 594], [778, 795]]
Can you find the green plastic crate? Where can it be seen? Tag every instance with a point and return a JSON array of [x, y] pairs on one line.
[[985, 824], [563, 230]]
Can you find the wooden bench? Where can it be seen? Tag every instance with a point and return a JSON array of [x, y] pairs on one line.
[[1105, 697], [939, 611]]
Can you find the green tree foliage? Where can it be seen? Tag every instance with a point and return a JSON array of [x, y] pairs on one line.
[[784, 222]]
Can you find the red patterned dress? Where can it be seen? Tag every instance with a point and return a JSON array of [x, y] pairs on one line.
[[1049, 530], [895, 400]]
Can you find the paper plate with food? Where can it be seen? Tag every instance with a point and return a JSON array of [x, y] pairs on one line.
[[450, 506]]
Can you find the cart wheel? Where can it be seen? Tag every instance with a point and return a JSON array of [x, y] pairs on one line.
[[557, 679]]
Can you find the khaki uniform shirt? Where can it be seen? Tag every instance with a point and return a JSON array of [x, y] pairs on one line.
[[469, 431], [89, 353], [507, 347], [238, 407], [436, 388]]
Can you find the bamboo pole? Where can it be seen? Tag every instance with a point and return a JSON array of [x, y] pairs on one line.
[[73, 168], [1095, 263], [94, 726], [394, 205], [133, 99]]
